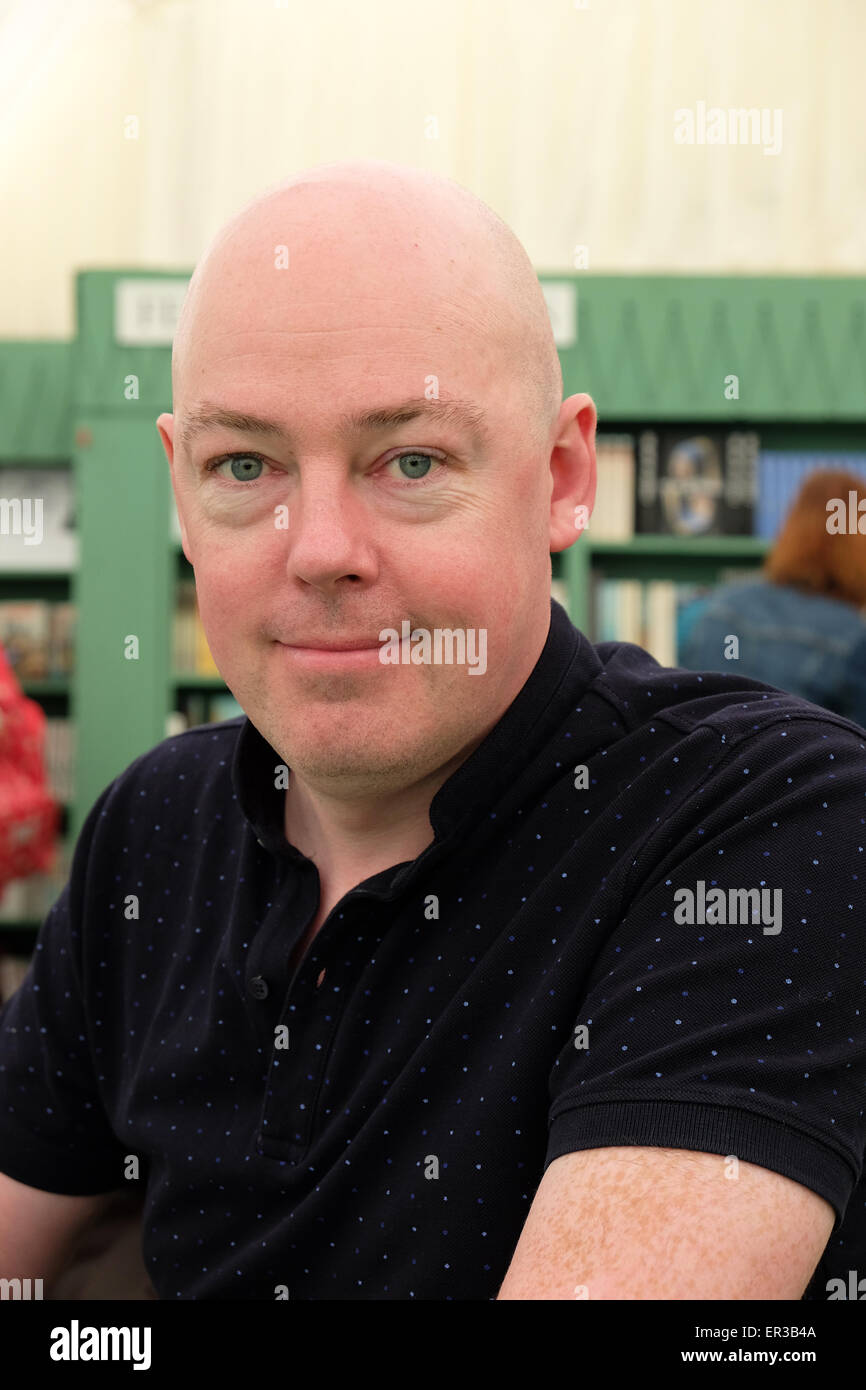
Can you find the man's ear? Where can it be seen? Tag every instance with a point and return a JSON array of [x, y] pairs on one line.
[[165, 425], [573, 471]]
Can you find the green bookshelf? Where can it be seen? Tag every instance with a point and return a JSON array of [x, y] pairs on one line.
[[717, 547], [650, 348]]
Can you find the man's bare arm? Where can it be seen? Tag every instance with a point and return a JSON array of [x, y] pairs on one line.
[[40, 1230], [647, 1223]]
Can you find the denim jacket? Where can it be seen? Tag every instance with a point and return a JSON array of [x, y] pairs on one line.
[[805, 644]]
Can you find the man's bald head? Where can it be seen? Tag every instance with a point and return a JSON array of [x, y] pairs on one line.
[[368, 228]]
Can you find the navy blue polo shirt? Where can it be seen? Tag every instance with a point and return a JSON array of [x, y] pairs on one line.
[[375, 1125]]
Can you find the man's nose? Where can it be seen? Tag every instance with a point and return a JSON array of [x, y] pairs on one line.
[[330, 532]]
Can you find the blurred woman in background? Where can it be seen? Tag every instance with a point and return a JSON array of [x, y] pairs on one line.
[[802, 625]]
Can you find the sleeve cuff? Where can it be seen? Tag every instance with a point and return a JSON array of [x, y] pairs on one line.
[[707, 1128], [66, 1174]]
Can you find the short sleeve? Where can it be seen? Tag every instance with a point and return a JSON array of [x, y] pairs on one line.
[[54, 1131], [732, 1037]]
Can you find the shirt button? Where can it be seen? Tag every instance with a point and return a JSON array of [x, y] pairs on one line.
[[258, 987], [261, 842]]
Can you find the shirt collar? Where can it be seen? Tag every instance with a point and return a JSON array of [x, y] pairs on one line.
[[568, 663]]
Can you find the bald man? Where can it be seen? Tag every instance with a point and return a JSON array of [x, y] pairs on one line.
[[354, 288], [474, 961]]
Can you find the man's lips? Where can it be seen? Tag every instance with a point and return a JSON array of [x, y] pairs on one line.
[[332, 654], [335, 644]]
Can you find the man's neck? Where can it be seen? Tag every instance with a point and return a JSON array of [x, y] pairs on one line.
[[351, 839], [344, 836]]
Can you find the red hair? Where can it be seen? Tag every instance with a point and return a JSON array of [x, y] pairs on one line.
[[807, 555]]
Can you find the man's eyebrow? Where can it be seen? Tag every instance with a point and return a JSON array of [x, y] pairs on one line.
[[449, 412]]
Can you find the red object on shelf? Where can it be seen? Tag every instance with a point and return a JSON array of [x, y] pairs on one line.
[[29, 814]]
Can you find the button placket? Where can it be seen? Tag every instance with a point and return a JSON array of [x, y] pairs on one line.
[[313, 1009], [312, 1014]]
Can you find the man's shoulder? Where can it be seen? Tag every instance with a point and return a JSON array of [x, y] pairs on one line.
[[182, 767], [199, 747], [731, 706]]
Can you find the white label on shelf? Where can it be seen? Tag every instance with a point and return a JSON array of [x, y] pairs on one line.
[[146, 311], [561, 297], [37, 519]]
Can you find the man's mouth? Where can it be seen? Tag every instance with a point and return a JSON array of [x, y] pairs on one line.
[[334, 644]]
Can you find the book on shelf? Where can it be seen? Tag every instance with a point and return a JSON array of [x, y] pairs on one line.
[[13, 969], [661, 620], [696, 482], [59, 758], [612, 515], [29, 899], [39, 525], [38, 637], [190, 651]]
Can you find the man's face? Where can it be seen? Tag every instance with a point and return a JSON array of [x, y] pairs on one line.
[[322, 537]]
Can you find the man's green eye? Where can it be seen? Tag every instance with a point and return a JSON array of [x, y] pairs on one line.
[[239, 476], [415, 462], [244, 461]]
